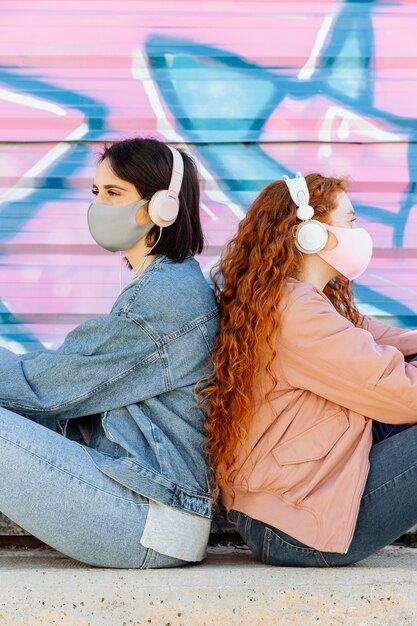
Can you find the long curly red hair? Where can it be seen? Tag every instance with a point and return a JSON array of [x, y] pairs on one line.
[[249, 281]]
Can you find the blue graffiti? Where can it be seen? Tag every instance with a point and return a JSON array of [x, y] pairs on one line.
[[57, 180], [221, 103]]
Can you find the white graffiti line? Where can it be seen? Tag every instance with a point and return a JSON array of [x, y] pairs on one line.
[[369, 309], [11, 344], [218, 195], [30, 101], [141, 72], [347, 122], [209, 212], [310, 65], [18, 191]]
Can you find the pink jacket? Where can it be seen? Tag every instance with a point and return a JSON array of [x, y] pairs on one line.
[[306, 462]]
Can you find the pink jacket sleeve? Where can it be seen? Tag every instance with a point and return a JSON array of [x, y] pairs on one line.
[[404, 339], [323, 352]]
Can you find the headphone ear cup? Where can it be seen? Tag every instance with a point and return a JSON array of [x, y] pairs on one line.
[[310, 237], [163, 208]]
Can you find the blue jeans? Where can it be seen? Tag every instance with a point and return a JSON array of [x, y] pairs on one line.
[[52, 489], [388, 507]]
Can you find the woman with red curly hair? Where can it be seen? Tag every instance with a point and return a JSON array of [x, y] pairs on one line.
[[311, 406]]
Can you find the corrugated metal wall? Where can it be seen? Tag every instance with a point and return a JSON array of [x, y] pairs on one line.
[[254, 89]]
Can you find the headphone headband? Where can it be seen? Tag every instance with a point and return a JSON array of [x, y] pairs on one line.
[[177, 173], [298, 189], [311, 235]]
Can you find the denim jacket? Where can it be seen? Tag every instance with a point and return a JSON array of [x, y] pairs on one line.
[[137, 366]]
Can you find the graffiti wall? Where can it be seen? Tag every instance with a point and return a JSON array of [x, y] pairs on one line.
[[253, 89]]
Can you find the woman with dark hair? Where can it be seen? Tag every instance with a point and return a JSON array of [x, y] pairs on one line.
[[312, 405], [100, 440]]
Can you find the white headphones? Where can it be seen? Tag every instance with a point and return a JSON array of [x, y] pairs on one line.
[[311, 235], [164, 205]]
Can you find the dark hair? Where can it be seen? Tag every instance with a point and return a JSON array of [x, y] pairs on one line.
[[147, 164]]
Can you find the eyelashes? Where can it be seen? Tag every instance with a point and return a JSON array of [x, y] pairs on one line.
[[110, 193]]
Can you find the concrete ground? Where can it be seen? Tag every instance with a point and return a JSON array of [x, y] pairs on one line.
[[43, 587]]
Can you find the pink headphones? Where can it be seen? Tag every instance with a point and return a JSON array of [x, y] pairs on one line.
[[164, 205]]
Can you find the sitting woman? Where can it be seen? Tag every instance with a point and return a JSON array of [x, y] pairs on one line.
[[312, 404], [100, 440]]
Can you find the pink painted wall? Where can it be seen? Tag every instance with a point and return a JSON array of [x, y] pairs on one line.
[[254, 89]]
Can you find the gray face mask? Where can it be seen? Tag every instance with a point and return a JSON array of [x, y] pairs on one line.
[[114, 228]]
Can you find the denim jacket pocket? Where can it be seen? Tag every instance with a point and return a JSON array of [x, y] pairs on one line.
[[300, 460]]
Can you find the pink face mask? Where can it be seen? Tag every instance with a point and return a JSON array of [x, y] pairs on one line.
[[352, 254]]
